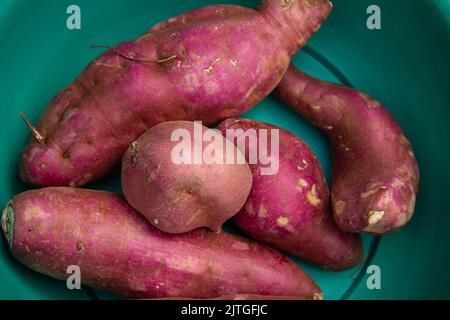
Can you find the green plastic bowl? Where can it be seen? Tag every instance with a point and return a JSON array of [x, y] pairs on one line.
[[406, 65]]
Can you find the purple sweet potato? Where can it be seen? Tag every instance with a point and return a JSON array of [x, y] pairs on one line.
[[290, 209], [116, 249], [249, 297], [177, 176], [208, 65], [375, 175]]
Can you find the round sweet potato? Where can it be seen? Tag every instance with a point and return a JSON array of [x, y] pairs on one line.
[[181, 182]]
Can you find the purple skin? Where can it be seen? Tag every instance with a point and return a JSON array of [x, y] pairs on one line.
[[248, 297], [118, 250], [290, 210], [375, 175], [208, 64], [178, 197]]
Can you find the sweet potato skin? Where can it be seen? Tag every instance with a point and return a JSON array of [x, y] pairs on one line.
[[251, 297], [174, 71], [179, 197], [117, 250], [290, 210], [376, 175]]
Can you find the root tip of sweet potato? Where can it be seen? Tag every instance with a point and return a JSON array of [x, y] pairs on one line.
[[318, 296], [217, 230], [39, 137], [7, 222]]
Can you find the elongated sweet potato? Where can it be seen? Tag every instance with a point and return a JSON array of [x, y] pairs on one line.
[[118, 250], [375, 175], [290, 208], [248, 297], [177, 176], [208, 64]]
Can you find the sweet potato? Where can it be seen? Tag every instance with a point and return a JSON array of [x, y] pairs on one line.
[[178, 177], [116, 249], [248, 297], [375, 176], [208, 65], [290, 209]]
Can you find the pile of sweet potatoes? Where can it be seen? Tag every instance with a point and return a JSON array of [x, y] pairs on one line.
[[141, 102]]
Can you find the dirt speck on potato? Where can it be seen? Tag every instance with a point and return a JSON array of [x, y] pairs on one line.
[[80, 246]]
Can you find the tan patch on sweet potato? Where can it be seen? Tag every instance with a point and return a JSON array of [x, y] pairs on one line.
[[188, 191], [372, 189], [133, 153], [316, 108], [375, 216], [397, 183], [34, 212], [200, 211], [404, 170], [136, 285], [412, 202], [286, 4], [249, 208], [262, 211], [282, 221], [154, 174], [302, 183], [339, 206], [311, 196], [240, 245], [369, 193], [402, 219]]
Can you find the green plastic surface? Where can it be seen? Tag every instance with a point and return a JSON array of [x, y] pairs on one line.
[[405, 65]]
